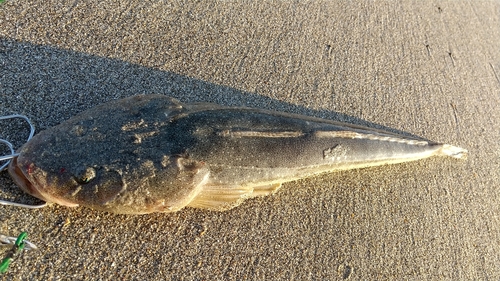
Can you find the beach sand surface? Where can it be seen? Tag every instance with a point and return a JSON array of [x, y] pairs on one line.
[[424, 68]]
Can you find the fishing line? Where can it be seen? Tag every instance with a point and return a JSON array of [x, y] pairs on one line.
[[13, 154]]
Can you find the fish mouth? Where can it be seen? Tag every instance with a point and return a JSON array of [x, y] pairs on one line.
[[37, 191], [22, 181]]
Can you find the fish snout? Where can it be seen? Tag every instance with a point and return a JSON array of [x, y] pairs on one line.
[[33, 181]]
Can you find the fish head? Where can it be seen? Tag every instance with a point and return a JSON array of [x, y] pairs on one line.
[[115, 157], [62, 177]]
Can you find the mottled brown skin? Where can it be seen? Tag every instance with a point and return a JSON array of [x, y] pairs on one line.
[[103, 159], [150, 153]]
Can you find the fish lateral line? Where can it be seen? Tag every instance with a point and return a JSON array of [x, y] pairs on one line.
[[261, 134], [368, 136]]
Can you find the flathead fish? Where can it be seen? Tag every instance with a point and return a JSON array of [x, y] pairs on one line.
[[151, 153]]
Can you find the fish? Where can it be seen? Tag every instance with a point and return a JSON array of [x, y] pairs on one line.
[[153, 153]]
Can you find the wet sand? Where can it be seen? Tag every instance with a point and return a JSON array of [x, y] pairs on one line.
[[425, 69]]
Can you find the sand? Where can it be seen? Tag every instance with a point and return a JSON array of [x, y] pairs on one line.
[[430, 69]]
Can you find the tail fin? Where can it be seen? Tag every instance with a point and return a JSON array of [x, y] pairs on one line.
[[453, 151]]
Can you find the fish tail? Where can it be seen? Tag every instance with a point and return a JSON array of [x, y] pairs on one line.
[[452, 151]]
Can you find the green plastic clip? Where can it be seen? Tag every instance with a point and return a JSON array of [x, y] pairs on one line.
[[16, 249]]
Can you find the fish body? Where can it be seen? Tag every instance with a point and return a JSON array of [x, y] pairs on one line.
[[151, 153]]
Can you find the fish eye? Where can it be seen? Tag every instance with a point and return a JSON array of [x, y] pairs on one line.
[[85, 175], [83, 180]]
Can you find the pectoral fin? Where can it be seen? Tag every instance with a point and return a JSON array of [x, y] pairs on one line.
[[223, 197], [264, 190]]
